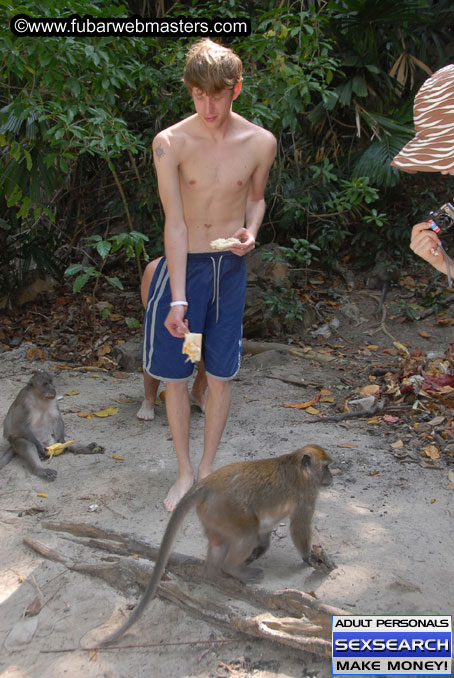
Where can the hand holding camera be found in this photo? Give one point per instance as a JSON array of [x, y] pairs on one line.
[[442, 219], [426, 243], [431, 150]]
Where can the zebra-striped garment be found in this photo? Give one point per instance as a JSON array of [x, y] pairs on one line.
[[432, 148]]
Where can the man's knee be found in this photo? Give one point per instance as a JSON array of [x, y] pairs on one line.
[[177, 387], [218, 387]]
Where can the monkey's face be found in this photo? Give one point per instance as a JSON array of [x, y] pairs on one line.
[[315, 462], [43, 383], [327, 476], [49, 392]]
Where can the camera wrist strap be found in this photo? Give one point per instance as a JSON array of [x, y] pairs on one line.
[[448, 269]]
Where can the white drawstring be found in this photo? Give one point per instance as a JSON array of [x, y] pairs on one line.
[[216, 279], [217, 288]]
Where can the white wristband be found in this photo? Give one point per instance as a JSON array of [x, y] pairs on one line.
[[178, 303]]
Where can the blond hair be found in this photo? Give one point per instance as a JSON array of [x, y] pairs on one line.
[[211, 67]]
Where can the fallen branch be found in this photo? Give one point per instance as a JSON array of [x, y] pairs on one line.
[[306, 625], [160, 643], [430, 311], [382, 310], [294, 382], [255, 347], [289, 601], [298, 633], [370, 411]]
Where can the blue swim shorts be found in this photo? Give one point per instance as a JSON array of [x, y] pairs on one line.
[[215, 291]]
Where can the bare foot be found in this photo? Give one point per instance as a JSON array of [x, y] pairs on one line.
[[199, 400], [177, 491], [146, 411]]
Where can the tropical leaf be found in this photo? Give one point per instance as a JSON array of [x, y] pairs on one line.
[[376, 159]]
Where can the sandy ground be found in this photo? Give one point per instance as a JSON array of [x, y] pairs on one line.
[[388, 525]]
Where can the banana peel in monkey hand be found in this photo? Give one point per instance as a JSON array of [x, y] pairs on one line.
[[57, 448]]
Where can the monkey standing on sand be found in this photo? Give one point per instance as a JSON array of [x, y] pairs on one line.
[[239, 505], [33, 422]]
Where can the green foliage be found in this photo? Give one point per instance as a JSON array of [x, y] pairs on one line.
[[375, 218], [132, 244], [61, 100], [353, 122], [133, 323], [375, 161], [385, 51], [65, 97], [87, 274], [78, 115], [409, 310], [353, 194], [436, 299], [336, 211], [285, 303], [300, 255], [288, 61]]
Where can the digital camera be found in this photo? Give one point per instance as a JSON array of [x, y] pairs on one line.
[[442, 219]]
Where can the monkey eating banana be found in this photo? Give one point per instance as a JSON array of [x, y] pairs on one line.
[[33, 423]]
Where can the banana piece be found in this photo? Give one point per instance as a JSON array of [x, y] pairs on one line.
[[224, 243], [192, 346], [57, 448]]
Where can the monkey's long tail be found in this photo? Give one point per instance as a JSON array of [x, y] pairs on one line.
[[190, 499], [6, 457]]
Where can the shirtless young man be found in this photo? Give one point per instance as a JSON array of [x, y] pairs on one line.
[[212, 170]]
